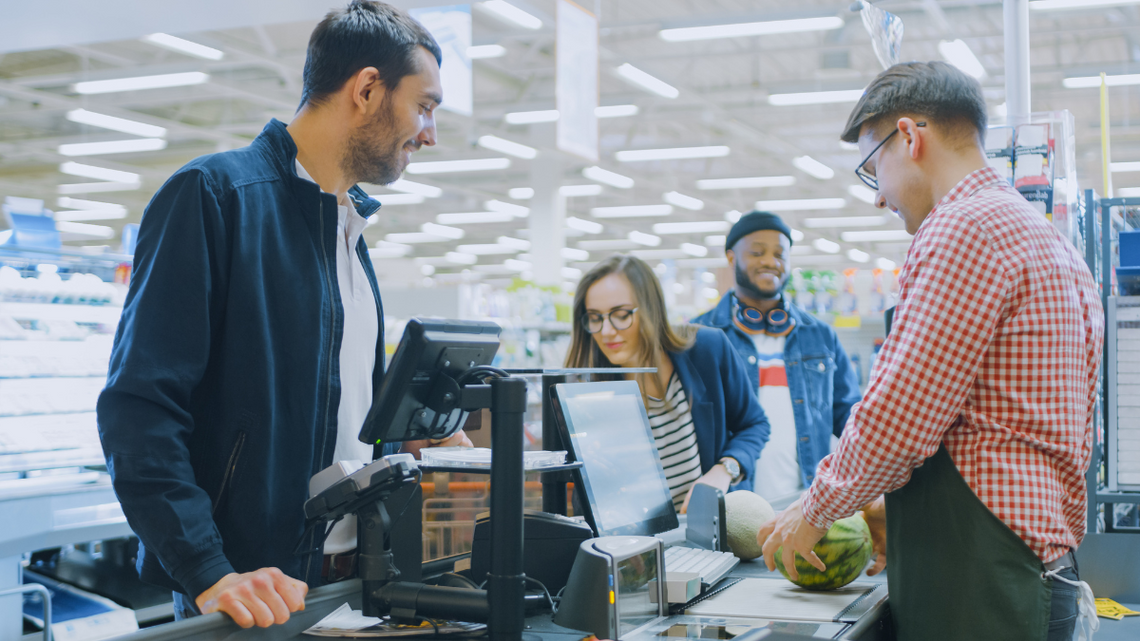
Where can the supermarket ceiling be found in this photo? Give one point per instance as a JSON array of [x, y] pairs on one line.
[[723, 100]]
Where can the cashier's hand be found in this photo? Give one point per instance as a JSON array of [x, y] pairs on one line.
[[792, 531], [875, 514], [260, 598], [458, 439], [717, 477]]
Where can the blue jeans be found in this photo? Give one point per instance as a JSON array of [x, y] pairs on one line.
[[184, 607], [1063, 608]]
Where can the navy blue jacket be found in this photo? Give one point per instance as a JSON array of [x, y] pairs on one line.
[[821, 381], [221, 400], [727, 416]]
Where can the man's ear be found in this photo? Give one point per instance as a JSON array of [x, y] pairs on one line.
[[731, 255], [367, 90], [912, 136]]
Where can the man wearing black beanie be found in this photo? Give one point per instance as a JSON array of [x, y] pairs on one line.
[[805, 381]]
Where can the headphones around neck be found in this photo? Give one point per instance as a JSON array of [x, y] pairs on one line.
[[776, 322]]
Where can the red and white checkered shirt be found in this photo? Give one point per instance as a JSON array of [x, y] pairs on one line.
[[994, 350]]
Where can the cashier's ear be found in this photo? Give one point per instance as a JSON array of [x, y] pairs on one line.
[[367, 91], [912, 136]]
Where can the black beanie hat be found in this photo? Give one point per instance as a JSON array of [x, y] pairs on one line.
[[756, 221]]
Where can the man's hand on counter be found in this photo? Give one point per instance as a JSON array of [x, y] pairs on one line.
[[792, 531], [458, 439], [875, 514], [260, 598]]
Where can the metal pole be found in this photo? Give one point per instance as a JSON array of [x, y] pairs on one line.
[[554, 483], [506, 583], [1016, 19]]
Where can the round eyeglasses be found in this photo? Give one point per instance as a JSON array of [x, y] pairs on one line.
[[619, 319]]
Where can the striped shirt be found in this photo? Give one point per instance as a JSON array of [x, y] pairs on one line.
[[672, 424]]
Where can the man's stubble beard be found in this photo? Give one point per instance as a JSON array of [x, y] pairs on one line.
[[750, 288], [372, 156]]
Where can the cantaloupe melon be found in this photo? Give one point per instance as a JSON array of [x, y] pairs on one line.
[[745, 512]]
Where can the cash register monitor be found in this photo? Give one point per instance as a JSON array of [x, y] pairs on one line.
[[607, 429], [419, 395]]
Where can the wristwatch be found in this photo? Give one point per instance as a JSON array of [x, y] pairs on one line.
[[731, 466]]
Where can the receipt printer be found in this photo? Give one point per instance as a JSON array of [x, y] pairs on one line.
[[550, 544]]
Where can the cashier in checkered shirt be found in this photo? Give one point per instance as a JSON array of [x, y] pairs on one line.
[[977, 423]]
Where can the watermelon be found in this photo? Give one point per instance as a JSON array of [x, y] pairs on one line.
[[845, 550]]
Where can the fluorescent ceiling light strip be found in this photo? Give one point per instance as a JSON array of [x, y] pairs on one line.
[[700, 251], [98, 173], [570, 253], [717, 240], [448, 166], [397, 199], [614, 244], [580, 190], [885, 264], [511, 148], [745, 29], [696, 227], [141, 82], [1128, 192], [797, 235], [1086, 82], [454, 233], [825, 245], [799, 250], [104, 121], [813, 167], [859, 192], [631, 211], [530, 117], [91, 214], [474, 217], [845, 221], [642, 238], [181, 45], [858, 255], [512, 14], [521, 193], [677, 153], [409, 187], [1058, 5], [82, 203], [412, 238], [460, 258], [112, 147], [1121, 167], [83, 229], [516, 211], [616, 111], [518, 265], [572, 273], [814, 98], [732, 215], [96, 187], [517, 243], [821, 259], [387, 253], [587, 226], [958, 53], [873, 236], [647, 82], [803, 204], [746, 183], [659, 254], [491, 249], [683, 201], [479, 52], [607, 177]]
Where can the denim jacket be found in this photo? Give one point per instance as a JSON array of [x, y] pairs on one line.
[[821, 380]]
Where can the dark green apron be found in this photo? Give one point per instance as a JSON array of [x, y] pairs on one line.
[[954, 570]]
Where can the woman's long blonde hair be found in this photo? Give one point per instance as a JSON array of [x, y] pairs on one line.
[[658, 338]]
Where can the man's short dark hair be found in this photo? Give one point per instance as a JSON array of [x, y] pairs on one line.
[[935, 91], [363, 34]]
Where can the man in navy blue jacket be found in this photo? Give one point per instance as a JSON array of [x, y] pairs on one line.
[[251, 342], [805, 381]]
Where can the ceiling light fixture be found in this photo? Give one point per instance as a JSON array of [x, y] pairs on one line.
[[518, 211], [385, 249], [859, 192], [683, 201], [97, 187], [885, 264], [580, 190], [746, 29], [508, 12], [572, 273], [826, 246], [112, 147], [104, 121], [83, 229], [746, 183], [958, 53], [647, 82], [1121, 167], [448, 166], [801, 204], [700, 251], [453, 233], [530, 117], [1056, 5], [460, 258], [607, 177], [136, 83], [388, 200], [732, 215], [716, 240], [642, 238], [409, 187], [474, 217], [511, 148], [570, 253], [846, 221], [98, 173], [631, 211], [413, 238], [885, 235], [91, 214], [521, 193], [479, 52], [814, 98], [813, 167], [1085, 82], [587, 226], [517, 265], [677, 153], [80, 203], [173, 43], [858, 255], [517, 243], [612, 244], [491, 249], [616, 111], [695, 227]]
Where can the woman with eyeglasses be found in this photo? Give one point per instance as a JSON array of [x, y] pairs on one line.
[[707, 422]]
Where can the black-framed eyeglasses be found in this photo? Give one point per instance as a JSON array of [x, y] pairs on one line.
[[619, 319], [868, 179]]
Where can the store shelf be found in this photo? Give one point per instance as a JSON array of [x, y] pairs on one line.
[[102, 314]]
